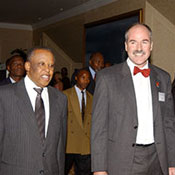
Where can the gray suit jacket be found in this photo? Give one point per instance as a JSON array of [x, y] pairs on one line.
[[21, 149], [114, 120]]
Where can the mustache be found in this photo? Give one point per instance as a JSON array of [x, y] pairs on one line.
[[139, 52]]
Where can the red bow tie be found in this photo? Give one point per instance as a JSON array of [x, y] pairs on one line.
[[145, 72]]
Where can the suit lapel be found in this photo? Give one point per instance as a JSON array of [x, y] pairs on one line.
[[24, 105], [127, 87], [88, 107], [154, 81], [54, 115], [76, 106]]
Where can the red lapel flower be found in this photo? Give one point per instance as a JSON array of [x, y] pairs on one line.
[[157, 84]]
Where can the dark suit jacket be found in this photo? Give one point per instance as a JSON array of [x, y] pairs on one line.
[[5, 81], [173, 91], [21, 148], [114, 120]]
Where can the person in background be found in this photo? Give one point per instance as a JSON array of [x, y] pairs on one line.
[[15, 67], [96, 63], [108, 64], [58, 85], [33, 120], [133, 122], [173, 92], [65, 78], [79, 123]]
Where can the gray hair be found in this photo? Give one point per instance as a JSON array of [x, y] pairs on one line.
[[133, 25]]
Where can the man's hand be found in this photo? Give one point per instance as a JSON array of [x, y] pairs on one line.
[[102, 173], [172, 171]]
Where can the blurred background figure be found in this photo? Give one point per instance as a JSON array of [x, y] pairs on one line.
[[65, 78], [96, 63], [15, 67], [57, 81], [173, 92], [107, 64]]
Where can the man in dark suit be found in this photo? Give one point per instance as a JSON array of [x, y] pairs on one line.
[[16, 70], [133, 122], [96, 63], [33, 123], [173, 92]]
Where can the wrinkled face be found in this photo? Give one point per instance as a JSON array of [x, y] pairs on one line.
[[97, 62], [83, 79], [138, 45], [16, 67], [40, 67]]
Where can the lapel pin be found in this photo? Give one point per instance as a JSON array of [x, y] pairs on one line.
[[157, 84]]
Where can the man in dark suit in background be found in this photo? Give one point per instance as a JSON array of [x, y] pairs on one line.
[[173, 92], [133, 122], [96, 63], [16, 70], [33, 121]]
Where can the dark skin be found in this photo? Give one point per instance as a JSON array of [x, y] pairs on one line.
[[16, 68], [83, 79], [97, 62]]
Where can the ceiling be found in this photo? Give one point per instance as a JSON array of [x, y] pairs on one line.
[[33, 11]]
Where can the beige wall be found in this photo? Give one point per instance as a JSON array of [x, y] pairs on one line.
[[163, 54], [11, 39], [69, 33]]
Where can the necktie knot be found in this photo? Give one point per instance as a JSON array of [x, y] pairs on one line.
[[144, 72], [38, 90]]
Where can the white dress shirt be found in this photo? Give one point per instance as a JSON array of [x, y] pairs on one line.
[[79, 95], [92, 72], [142, 87], [12, 80], [29, 84]]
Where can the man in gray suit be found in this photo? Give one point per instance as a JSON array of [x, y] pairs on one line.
[[133, 122], [30, 145]]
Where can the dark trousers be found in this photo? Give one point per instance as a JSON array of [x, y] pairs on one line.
[[146, 161], [82, 164]]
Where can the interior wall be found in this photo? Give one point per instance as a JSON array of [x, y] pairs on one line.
[[163, 54], [11, 39], [69, 34]]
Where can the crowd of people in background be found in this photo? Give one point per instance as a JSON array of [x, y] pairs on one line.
[[88, 120]]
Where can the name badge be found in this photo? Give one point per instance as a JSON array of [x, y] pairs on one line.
[[162, 96]]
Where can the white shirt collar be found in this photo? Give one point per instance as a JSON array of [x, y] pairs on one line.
[[131, 65]]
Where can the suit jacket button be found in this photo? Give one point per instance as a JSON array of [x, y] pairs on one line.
[[133, 144], [41, 171], [135, 127], [43, 154]]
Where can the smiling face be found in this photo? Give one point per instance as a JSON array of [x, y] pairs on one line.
[[40, 67], [138, 45]]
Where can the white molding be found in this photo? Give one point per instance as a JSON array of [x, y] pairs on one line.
[[16, 26], [90, 5]]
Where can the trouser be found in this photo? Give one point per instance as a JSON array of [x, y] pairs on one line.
[[82, 164], [146, 161]]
